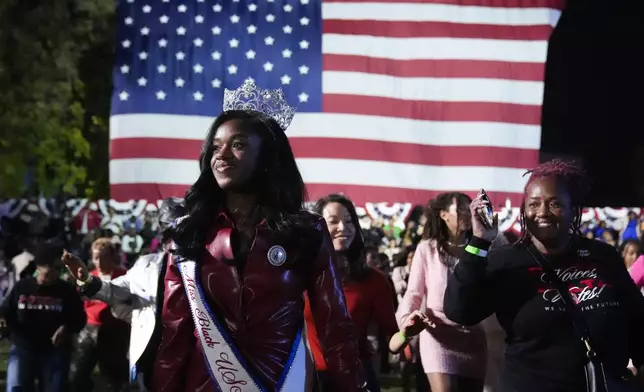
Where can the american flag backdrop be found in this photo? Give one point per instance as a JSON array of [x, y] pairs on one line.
[[397, 100]]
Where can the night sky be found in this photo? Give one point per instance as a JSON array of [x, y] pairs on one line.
[[594, 96]]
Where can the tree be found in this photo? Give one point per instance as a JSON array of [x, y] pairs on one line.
[[43, 120]]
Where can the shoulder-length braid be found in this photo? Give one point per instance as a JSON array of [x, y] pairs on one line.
[[573, 177], [435, 228]]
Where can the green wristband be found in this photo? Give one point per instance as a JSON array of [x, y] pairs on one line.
[[476, 251], [402, 335]]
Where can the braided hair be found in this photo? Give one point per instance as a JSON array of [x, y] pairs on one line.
[[570, 175]]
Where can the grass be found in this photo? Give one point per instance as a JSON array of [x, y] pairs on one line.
[[389, 383]]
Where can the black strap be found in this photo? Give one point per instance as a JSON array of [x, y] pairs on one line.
[[572, 310]]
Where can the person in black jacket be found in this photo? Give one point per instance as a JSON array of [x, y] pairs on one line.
[[543, 352], [41, 314]]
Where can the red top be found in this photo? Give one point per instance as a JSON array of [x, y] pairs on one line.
[[261, 308], [98, 312], [368, 300]]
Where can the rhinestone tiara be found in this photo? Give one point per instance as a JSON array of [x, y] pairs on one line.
[[270, 102]]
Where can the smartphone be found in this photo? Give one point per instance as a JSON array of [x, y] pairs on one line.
[[488, 215]]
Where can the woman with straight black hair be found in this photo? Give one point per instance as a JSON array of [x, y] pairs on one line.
[[367, 290], [245, 253], [561, 298]]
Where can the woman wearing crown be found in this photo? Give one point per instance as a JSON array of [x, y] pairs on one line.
[[244, 255]]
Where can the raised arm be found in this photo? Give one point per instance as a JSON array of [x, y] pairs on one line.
[[117, 291], [334, 326], [178, 335], [469, 295]]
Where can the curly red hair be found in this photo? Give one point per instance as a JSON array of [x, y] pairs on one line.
[[572, 176]]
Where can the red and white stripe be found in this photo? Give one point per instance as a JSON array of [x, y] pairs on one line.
[[420, 97]]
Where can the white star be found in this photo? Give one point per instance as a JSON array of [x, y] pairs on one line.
[[163, 43], [269, 40], [164, 19], [216, 55], [198, 96], [250, 54], [286, 53], [181, 30], [288, 8], [198, 68], [142, 82], [268, 66], [304, 44], [234, 19], [232, 69], [125, 69], [251, 29], [216, 30], [123, 95], [216, 83], [126, 44], [216, 7], [161, 68], [304, 97], [252, 7], [145, 31], [198, 42], [199, 19], [303, 70], [160, 95], [182, 8], [287, 29], [143, 56], [200, 1], [180, 56], [147, 9], [233, 43], [165, 1], [179, 82], [304, 21], [285, 79], [129, 20], [304, 1], [270, 18], [249, 79]]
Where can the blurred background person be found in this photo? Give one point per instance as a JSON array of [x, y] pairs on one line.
[[41, 315], [105, 338]]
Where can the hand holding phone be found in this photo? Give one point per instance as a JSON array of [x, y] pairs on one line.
[[487, 213], [484, 222]]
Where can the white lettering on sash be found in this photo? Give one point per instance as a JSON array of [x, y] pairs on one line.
[[223, 361]]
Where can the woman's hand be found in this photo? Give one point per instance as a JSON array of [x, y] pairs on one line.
[[478, 209], [415, 323], [76, 267]]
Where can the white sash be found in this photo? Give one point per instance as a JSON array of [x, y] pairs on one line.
[[226, 365]]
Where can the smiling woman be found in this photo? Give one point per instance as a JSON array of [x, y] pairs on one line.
[[244, 255], [369, 295], [550, 290]]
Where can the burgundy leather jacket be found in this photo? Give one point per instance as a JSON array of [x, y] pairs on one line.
[[263, 310]]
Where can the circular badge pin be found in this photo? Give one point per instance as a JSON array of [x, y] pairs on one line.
[[276, 255]]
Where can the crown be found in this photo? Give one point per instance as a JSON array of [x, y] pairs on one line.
[[270, 102]]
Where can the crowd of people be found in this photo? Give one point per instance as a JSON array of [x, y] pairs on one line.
[[237, 287]]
